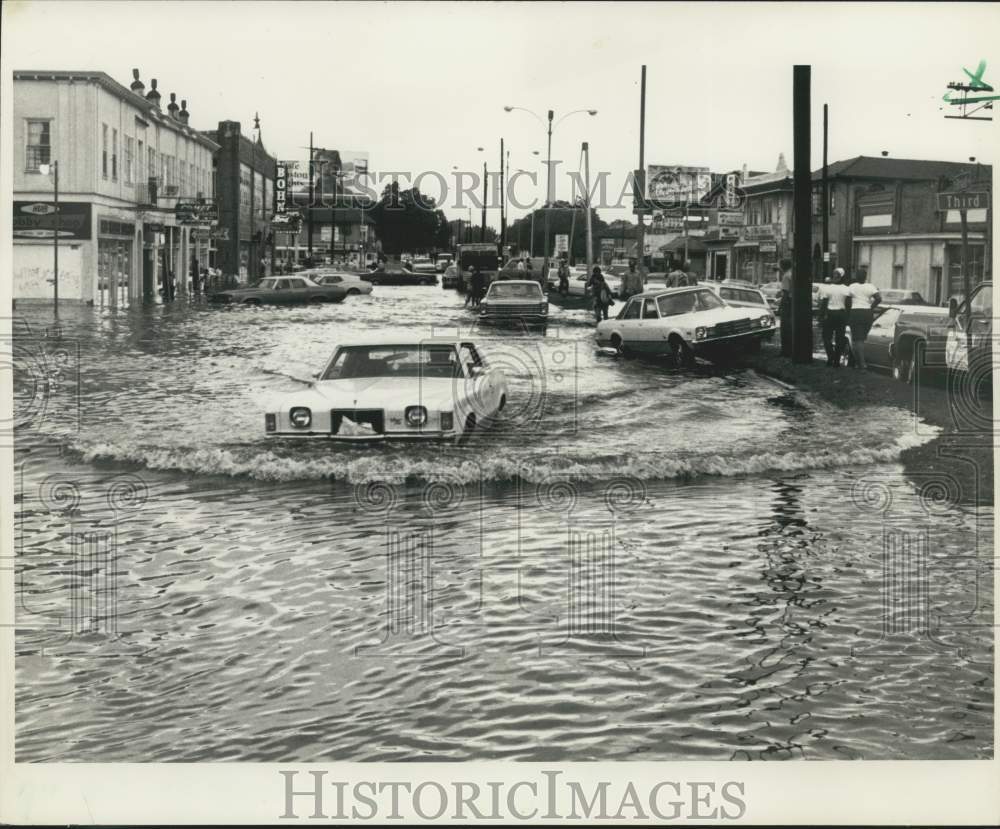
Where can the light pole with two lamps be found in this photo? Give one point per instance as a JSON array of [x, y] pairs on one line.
[[548, 163]]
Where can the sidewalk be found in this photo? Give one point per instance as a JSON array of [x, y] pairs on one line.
[[963, 451]]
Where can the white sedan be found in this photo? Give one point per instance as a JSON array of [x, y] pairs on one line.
[[684, 322], [351, 282], [391, 389]]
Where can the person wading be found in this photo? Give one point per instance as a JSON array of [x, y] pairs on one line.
[[601, 294], [864, 299], [563, 278], [785, 307], [835, 304]]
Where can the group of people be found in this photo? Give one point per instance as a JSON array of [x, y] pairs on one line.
[[843, 303]]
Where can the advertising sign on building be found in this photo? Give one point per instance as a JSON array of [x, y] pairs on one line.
[[281, 186], [195, 212], [671, 184], [730, 218], [37, 220]]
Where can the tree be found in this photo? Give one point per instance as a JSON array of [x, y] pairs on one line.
[[566, 218], [408, 221]]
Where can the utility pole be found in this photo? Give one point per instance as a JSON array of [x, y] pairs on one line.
[[826, 204], [482, 228], [548, 190], [309, 207], [966, 279], [590, 232], [642, 174], [55, 240], [503, 204], [801, 275]]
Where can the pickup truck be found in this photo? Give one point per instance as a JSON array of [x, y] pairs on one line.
[[927, 338]]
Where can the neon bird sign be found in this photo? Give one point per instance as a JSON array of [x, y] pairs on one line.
[[970, 95]]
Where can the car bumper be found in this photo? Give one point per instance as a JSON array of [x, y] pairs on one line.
[[733, 339], [507, 319], [423, 435]]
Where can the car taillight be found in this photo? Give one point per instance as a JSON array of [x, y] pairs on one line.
[[416, 415], [270, 423], [447, 421], [300, 417]]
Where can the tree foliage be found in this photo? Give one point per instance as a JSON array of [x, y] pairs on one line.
[[570, 219], [408, 221]]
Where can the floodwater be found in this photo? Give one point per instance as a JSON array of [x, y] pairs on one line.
[[635, 562]]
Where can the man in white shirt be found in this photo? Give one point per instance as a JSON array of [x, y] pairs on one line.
[[864, 298], [835, 304]]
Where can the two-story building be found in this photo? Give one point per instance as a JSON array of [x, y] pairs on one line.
[[122, 165], [767, 234], [244, 186], [884, 217]]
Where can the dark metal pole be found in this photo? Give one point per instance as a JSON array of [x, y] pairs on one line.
[[801, 274], [642, 171], [55, 240], [548, 190], [966, 278], [482, 229], [503, 203], [309, 207], [826, 203]]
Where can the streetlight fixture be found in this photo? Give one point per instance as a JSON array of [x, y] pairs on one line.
[[45, 169], [548, 163]]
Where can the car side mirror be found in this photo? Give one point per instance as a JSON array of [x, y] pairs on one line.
[[475, 371], [952, 308]]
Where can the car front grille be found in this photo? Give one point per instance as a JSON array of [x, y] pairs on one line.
[[731, 329], [374, 417], [514, 310]]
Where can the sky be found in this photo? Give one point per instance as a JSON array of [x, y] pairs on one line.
[[421, 86]]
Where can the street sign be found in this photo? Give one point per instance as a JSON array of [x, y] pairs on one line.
[[973, 200], [562, 243]]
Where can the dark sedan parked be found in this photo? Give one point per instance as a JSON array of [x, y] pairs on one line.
[[400, 277], [282, 290]]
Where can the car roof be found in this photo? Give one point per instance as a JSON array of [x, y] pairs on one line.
[[517, 282], [658, 292], [376, 339]]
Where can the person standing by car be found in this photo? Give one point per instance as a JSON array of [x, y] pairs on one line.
[[785, 307], [632, 283], [563, 277], [864, 298], [545, 273], [476, 286], [520, 265], [601, 294], [835, 303], [676, 278]]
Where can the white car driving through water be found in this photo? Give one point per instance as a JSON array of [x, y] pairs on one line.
[[391, 389], [684, 322]]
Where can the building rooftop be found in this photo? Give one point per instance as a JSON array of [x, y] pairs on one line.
[[106, 82], [864, 166]]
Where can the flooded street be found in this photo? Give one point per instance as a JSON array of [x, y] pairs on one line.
[[636, 562]]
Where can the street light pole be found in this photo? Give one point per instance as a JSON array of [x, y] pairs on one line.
[[55, 240], [482, 227], [548, 188]]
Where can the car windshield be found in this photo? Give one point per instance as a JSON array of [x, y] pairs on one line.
[[687, 302], [267, 284], [354, 362], [742, 295], [515, 290]]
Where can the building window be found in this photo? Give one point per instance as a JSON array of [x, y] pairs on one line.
[[104, 150], [898, 279], [151, 164], [114, 155], [38, 149], [129, 150]]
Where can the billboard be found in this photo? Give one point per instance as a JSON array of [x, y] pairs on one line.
[[347, 164], [670, 185], [37, 220]]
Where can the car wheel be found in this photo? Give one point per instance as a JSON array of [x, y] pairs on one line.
[[375, 282], [619, 345], [316, 300], [907, 369], [251, 302], [353, 292], [681, 351], [423, 282]]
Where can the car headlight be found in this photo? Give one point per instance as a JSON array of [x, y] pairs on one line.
[[300, 417], [700, 333], [416, 415], [447, 421], [270, 423], [765, 322]]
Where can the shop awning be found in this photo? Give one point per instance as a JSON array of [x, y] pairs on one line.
[[746, 243], [694, 245]]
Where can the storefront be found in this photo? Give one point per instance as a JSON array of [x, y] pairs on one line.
[[115, 262]]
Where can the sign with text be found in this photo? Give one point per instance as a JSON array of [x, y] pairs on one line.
[[195, 212], [730, 218], [37, 220], [672, 184], [978, 200], [562, 243], [281, 186]]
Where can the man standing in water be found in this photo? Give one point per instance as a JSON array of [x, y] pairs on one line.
[[835, 300], [785, 307]]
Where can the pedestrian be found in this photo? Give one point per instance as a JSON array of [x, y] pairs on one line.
[[692, 277], [476, 286], [864, 298], [520, 265], [783, 271], [632, 283], [563, 278], [601, 294], [545, 274], [676, 278], [529, 272], [195, 274], [835, 303]]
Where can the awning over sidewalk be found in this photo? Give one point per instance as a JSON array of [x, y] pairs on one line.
[[746, 243], [694, 245]]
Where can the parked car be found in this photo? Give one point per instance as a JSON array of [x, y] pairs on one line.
[[919, 335], [970, 332], [443, 261], [423, 265], [451, 277], [900, 296], [514, 300], [351, 282], [391, 389], [741, 295], [579, 278], [772, 293], [385, 276], [281, 290], [684, 322]]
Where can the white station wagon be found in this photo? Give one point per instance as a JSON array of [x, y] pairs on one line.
[[433, 388], [684, 322]]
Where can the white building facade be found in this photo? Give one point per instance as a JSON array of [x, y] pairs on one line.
[[123, 165]]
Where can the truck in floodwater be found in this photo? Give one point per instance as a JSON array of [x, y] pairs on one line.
[[484, 255]]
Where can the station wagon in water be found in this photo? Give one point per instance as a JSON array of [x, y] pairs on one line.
[[435, 388], [683, 322], [282, 290]]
